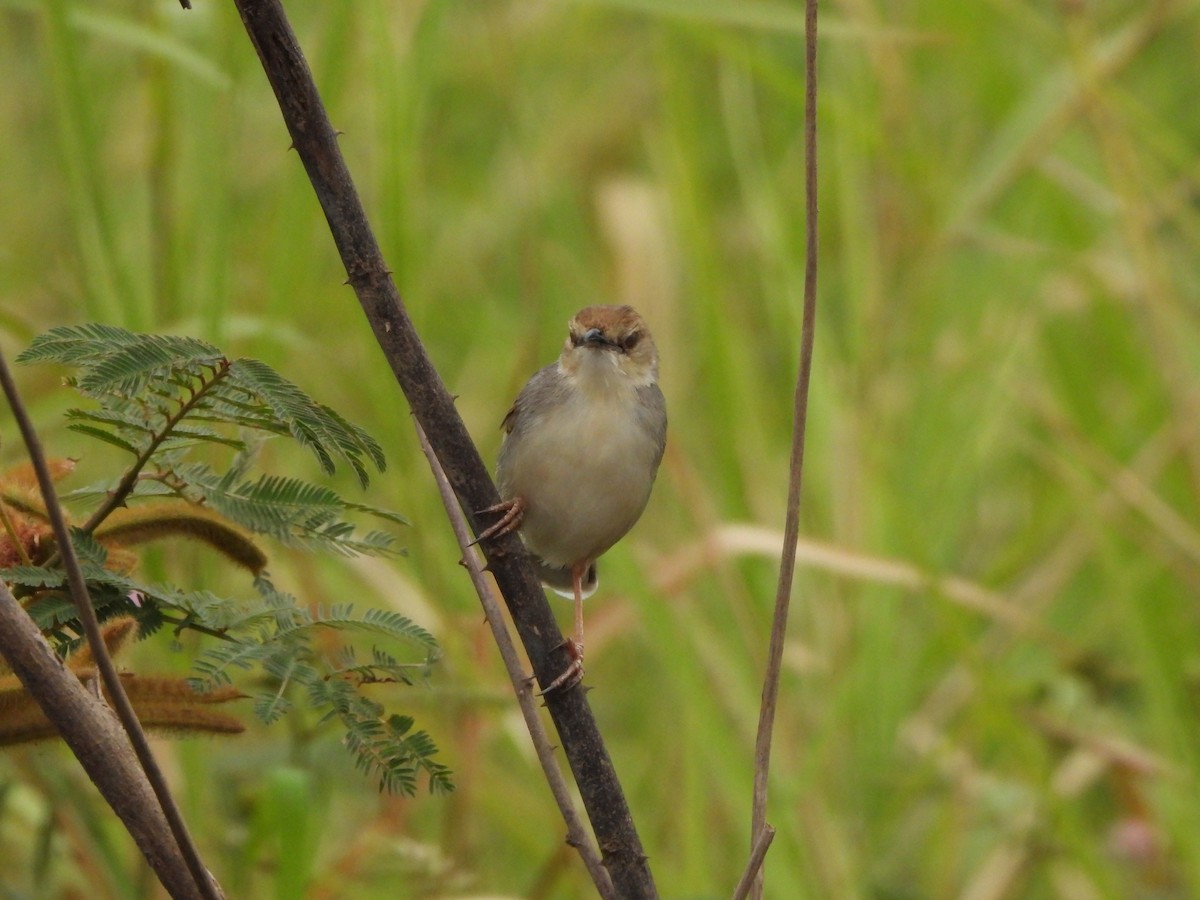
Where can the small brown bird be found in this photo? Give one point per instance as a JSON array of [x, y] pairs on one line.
[[582, 444]]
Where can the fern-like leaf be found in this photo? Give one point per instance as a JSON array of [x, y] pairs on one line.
[[106, 436], [383, 622], [314, 425], [113, 417], [383, 746], [159, 397], [386, 514], [383, 668], [118, 361], [77, 345], [291, 511], [149, 383], [214, 664], [100, 489]]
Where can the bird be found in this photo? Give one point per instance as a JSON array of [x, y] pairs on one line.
[[581, 448]]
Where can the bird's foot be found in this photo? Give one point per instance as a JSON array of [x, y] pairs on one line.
[[572, 674], [513, 514]]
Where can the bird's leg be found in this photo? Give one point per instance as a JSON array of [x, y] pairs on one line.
[[514, 513], [573, 673]]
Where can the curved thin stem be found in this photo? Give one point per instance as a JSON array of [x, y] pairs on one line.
[[577, 835], [791, 533]]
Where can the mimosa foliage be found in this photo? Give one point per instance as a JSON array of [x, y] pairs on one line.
[[159, 398]]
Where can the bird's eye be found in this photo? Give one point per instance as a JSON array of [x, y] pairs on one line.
[[631, 341]]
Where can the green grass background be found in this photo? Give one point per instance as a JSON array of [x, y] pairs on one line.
[[991, 675]]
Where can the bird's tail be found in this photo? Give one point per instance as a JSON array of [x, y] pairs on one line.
[[558, 579]]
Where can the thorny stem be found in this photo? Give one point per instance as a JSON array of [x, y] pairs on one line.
[[315, 140]]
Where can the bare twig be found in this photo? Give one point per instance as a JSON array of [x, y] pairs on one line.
[[315, 141], [791, 531], [204, 884], [754, 865], [577, 835]]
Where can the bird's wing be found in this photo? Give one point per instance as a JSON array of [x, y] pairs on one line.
[[510, 418], [541, 385]]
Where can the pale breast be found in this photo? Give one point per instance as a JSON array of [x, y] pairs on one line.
[[585, 470]]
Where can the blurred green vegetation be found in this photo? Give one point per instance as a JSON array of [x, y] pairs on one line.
[[994, 654]]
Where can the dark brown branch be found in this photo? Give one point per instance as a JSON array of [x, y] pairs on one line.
[[791, 531], [314, 139], [93, 735]]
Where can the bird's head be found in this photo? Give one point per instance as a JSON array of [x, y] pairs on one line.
[[610, 344]]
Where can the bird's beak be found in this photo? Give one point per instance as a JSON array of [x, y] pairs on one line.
[[596, 336]]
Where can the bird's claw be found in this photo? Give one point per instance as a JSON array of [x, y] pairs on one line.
[[514, 513], [572, 674]]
